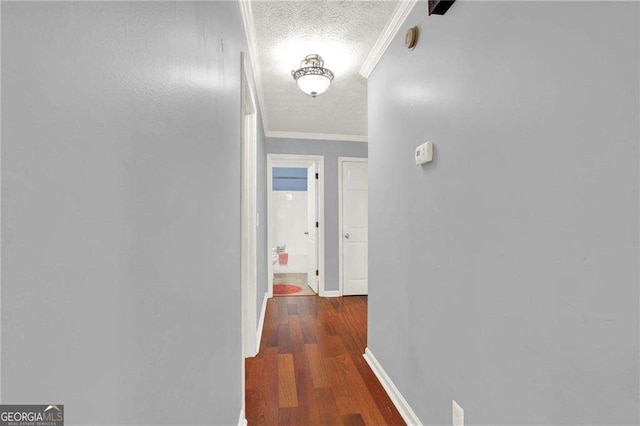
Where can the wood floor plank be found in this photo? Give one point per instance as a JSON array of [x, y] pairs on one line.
[[269, 385], [308, 332], [341, 390], [332, 346], [285, 345], [307, 398], [283, 310], [329, 411], [292, 309], [297, 342], [353, 420], [316, 366], [269, 334], [290, 416], [255, 407], [287, 390], [253, 370]]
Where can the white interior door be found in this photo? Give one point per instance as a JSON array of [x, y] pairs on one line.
[[312, 230], [354, 228]]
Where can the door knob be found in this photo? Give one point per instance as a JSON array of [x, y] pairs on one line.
[[347, 235], [306, 233]]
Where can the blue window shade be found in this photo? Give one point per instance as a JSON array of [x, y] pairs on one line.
[[290, 172], [289, 179]]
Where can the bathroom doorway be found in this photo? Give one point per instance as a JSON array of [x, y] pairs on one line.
[[295, 224]]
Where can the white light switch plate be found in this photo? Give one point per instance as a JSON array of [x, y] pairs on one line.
[[458, 414], [424, 153]]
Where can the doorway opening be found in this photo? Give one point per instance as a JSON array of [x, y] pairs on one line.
[[296, 224]]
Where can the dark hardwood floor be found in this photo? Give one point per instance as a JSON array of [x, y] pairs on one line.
[[310, 369]]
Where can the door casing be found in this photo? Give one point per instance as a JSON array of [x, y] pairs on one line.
[[248, 208]]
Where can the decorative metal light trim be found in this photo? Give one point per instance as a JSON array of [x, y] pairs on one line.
[[312, 70], [312, 65]]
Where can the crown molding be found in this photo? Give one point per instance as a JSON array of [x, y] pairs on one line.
[[252, 45], [388, 33], [317, 136]]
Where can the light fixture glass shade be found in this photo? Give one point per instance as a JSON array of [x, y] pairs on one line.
[[313, 85], [312, 78]]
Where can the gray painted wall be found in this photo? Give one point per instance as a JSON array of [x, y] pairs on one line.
[[331, 151], [504, 275], [121, 207]]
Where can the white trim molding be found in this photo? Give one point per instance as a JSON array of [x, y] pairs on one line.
[[252, 46], [242, 421], [263, 312], [248, 206], [319, 136], [398, 400], [388, 33], [330, 293]]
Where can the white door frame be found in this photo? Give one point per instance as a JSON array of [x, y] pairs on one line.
[[341, 161], [290, 160], [248, 208]]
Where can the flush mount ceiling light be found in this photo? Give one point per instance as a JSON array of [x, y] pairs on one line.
[[312, 78]]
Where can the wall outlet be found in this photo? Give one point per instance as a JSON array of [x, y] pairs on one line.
[[457, 414], [424, 153]]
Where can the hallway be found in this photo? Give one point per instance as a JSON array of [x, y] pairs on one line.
[[466, 172], [310, 369]]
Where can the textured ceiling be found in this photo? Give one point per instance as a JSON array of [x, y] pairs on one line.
[[343, 33]]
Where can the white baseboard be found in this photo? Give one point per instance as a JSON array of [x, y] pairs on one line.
[[242, 421], [330, 293], [263, 312], [398, 400]]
